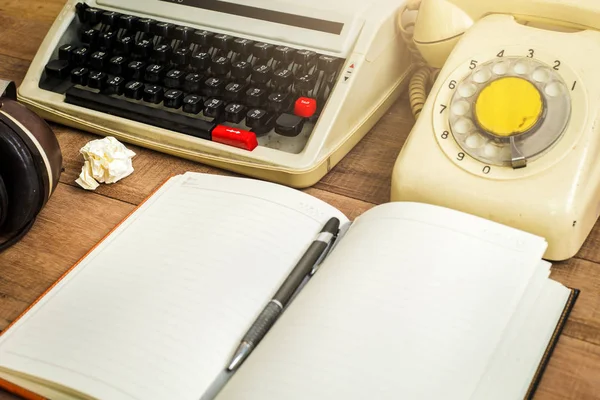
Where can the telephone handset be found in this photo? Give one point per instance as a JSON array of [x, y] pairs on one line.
[[509, 130]]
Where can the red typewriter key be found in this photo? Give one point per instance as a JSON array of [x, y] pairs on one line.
[[305, 107], [234, 137]]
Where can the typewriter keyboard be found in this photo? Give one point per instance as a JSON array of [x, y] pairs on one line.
[[209, 85]]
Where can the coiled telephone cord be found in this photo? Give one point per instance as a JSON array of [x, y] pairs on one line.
[[423, 78]]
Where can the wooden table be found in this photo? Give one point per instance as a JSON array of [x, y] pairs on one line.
[[74, 220]]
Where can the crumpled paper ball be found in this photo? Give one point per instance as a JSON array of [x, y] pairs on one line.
[[106, 161]]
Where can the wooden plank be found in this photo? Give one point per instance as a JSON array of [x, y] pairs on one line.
[[366, 172], [13, 69], [15, 29], [72, 223], [36, 10], [572, 373], [152, 169], [584, 321]]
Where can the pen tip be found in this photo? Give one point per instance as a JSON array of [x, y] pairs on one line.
[[240, 355]]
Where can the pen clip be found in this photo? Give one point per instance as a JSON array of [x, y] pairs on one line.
[[324, 254]]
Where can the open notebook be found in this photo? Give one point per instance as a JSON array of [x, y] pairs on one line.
[[413, 302]]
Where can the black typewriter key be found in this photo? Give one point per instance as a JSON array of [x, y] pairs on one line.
[[93, 16], [193, 83], [125, 44], [80, 9], [111, 18], [283, 78], [153, 94], [235, 91], [213, 87], [221, 65], [328, 64], [97, 80], [143, 48], [181, 56], [202, 38], [173, 98], [222, 42], [305, 57], [107, 40], [58, 69], [262, 51], [235, 113], [289, 125], [117, 65], [65, 52], [127, 22], [144, 25], [279, 102], [306, 82], [90, 36], [261, 73], [284, 54], [201, 61], [154, 73], [258, 120], [242, 46], [183, 33], [174, 79], [213, 108], [163, 29], [162, 52], [135, 70], [192, 104], [256, 97], [79, 76], [98, 60], [134, 90], [241, 70], [81, 56], [115, 85]]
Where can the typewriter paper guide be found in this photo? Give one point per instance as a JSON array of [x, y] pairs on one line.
[[329, 26]]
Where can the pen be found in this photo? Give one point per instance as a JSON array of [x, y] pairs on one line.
[[273, 309]]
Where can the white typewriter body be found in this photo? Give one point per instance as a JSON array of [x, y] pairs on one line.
[[374, 73]]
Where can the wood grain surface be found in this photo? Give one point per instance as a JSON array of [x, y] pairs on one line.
[[74, 220]]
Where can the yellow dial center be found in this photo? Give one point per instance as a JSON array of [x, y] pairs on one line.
[[508, 106]]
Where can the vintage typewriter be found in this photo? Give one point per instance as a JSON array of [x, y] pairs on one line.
[[278, 90]]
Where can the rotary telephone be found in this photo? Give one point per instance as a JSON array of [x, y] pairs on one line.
[[510, 129]]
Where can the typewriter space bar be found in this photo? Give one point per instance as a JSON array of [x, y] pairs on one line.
[[140, 113]]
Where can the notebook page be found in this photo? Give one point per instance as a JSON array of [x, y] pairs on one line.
[[410, 305], [156, 311]]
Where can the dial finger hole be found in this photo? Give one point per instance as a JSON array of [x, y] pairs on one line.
[[482, 75], [521, 68], [467, 89], [460, 108], [541, 75], [553, 89], [474, 141], [463, 126], [501, 68], [491, 150]]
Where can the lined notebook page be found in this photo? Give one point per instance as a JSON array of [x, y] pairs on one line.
[[411, 304], [158, 308]]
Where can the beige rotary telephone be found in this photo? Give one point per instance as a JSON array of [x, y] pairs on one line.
[[510, 129]]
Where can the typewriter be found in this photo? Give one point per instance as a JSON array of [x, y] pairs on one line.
[[278, 90]]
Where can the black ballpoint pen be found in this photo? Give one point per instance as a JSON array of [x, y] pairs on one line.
[[273, 309]]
